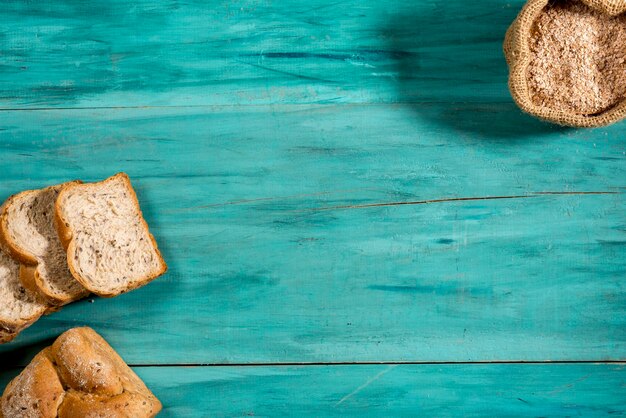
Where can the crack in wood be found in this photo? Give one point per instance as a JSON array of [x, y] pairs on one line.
[[457, 199]]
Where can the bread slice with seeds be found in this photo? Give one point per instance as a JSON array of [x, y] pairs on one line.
[[28, 230], [19, 307], [109, 247]]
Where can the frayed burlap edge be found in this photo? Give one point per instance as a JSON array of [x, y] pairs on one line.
[[517, 53]]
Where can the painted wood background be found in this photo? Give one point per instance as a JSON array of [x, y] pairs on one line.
[[334, 185]]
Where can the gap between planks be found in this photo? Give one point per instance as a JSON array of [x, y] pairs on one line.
[[259, 105], [371, 363], [383, 363]]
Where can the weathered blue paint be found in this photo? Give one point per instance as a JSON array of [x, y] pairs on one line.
[[594, 390], [329, 182], [168, 52], [288, 241]]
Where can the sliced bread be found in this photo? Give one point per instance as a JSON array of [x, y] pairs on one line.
[[6, 337], [28, 230], [80, 375], [109, 247], [19, 307]]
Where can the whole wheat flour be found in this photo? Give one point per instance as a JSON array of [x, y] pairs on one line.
[[578, 58]]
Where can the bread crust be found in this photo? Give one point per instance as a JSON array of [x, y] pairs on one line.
[[30, 275], [36, 392], [6, 337], [66, 235], [7, 243], [10, 328], [80, 375]]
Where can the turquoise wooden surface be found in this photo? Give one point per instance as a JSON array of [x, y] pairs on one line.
[[70, 53], [329, 182], [389, 390], [268, 264]]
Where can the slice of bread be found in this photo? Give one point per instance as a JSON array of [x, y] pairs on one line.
[[80, 375], [28, 230], [19, 307], [109, 247], [6, 337]]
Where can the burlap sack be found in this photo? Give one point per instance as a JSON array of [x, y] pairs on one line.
[[517, 52]]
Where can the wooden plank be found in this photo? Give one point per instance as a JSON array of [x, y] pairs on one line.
[[167, 52], [276, 253], [388, 390]]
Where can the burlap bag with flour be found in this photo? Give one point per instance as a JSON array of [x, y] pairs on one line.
[[518, 56]]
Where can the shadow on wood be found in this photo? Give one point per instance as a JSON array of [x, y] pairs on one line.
[[461, 47], [20, 354], [150, 211]]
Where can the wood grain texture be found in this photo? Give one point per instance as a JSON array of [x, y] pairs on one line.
[[70, 53], [408, 390], [276, 253], [329, 181]]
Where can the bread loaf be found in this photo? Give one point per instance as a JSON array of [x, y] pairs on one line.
[[79, 376]]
